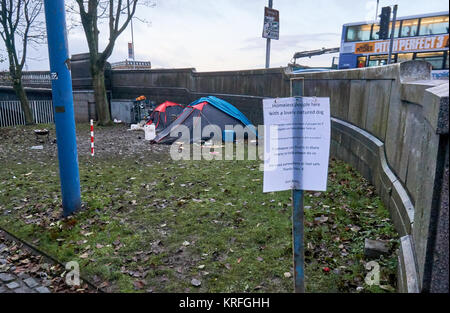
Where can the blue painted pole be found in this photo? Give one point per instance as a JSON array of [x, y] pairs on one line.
[[298, 242], [55, 18]]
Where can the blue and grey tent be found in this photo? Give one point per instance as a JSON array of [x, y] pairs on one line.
[[200, 113]]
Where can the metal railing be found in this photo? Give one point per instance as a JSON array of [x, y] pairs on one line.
[[129, 64], [11, 113], [28, 78]]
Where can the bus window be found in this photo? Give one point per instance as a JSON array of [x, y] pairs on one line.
[[376, 28], [381, 59], [409, 28], [397, 29], [361, 62], [358, 33], [402, 57], [434, 25], [435, 58]]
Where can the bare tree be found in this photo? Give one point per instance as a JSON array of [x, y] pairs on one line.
[[20, 26], [118, 14]]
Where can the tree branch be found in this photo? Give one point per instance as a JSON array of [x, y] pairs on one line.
[[116, 31]]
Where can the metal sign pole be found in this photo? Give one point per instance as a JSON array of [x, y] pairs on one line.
[[268, 53], [298, 241], [63, 105], [298, 229], [391, 44], [268, 42]]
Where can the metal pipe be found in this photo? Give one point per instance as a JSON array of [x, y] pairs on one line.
[[268, 53], [63, 105]]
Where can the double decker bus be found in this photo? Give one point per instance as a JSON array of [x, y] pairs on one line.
[[416, 37]]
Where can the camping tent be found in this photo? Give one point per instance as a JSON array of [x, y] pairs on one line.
[[211, 111], [164, 114]]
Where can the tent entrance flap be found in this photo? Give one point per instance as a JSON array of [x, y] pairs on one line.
[[164, 114]]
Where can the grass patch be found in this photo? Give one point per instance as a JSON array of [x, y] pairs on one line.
[[153, 224]]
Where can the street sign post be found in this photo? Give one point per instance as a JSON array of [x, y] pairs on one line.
[[271, 29], [296, 146], [63, 105]]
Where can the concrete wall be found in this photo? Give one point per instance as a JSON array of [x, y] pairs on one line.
[[263, 83], [389, 122], [81, 72], [392, 125], [84, 106]]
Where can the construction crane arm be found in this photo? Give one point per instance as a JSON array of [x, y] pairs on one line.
[[310, 53]]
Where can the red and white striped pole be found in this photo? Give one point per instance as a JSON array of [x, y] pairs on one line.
[[92, 137]]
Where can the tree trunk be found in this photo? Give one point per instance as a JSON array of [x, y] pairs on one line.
[[20, 92], [101, 101]]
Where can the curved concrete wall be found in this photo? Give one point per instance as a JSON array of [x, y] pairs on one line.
[[390, 122], [408, 113]]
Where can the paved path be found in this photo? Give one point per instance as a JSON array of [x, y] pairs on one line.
[[15, 276], [22, 271]]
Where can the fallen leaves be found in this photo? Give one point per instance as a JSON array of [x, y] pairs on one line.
[[320, 220], [355, 229], [195, 282], [139, 284]]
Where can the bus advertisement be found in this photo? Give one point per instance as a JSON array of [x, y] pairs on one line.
[[418, 37]]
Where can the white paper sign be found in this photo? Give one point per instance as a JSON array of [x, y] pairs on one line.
[[296, 143]]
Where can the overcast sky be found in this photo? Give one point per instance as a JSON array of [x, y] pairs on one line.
[[212, 35]]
